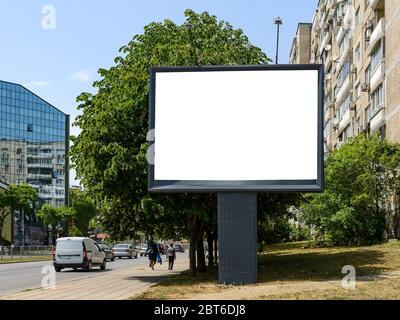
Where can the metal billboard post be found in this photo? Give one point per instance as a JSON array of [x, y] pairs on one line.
[[237, 237]]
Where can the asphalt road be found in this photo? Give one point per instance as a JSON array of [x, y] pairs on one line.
[[16, 277]]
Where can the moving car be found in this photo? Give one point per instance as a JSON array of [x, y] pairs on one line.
[[109, 253], [143, 250], [78, 252], [179, 248], [125, 251]]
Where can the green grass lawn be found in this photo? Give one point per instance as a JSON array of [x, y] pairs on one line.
[[287, 264]]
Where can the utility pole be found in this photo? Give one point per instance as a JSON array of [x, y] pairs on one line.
[[278, 21]]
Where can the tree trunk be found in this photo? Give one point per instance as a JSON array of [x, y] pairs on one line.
[[192, 222], [192, 255], [210, 241], [201, 259], [216, 250]]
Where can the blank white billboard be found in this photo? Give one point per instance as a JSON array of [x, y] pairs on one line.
[[236, 125]]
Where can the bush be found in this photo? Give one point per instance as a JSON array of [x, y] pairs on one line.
[[358, 186], [298, 233], [74, 231], [280, 230]]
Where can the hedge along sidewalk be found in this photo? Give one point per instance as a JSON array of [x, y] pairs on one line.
[[113, 285], [27, 259]]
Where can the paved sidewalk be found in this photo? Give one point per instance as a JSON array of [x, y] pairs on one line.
[[113, 285]]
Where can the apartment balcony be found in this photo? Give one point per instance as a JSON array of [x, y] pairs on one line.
[[40, 165], [325, 41], [377, 34], [344, 122], [348, 17], [327, 115], [328, 129], [328, 62], [322, 21], [377, 4], [39, 176], [330, 7], [340, 35], [377, 120], [39, 156], [344, 56], [378, 76], [343, 91], [328, 141]]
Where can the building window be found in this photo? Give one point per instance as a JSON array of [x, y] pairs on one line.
[[376, 100], [344, 107], [377, 57], [358, 91], [343, 74], [357, 17], [30, 127], [357, 56], [344, 43], [368, 74]]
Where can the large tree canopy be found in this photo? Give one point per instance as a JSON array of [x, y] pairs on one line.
[[110, 152]]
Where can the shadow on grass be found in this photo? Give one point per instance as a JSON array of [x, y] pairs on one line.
[[299, 265], [318, 266]]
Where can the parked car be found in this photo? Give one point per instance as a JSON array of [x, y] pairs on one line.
[[179, 248], [125, 251], [78, 252], [143, 250], [108, 251]]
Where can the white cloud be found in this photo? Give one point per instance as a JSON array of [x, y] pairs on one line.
[[32, 84], [81, 76]]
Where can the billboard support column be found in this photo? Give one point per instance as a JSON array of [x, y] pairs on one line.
[[237, 237]]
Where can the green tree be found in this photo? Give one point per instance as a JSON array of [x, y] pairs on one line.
[[18, 198], [110, 152], [360, 179], [53, 216], [273, 218], [85, 211]]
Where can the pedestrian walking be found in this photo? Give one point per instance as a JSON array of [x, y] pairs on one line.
[[152, 252], [171, 256]]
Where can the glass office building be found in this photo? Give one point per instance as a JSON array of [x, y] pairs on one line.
[[33, 148]]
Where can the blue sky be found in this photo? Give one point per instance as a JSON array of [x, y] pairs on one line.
[[58, 64]]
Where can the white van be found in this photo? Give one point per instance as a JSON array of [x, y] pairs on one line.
[[76, 252]]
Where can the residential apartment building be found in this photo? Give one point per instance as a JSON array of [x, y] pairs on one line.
[[301, 47], [33, 150], [357, 41]]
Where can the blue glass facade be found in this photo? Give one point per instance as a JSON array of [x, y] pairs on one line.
[[33, 148]]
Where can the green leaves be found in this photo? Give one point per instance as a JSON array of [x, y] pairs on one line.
[[360, 181], [109, 154], [53, 215], [20, 197]]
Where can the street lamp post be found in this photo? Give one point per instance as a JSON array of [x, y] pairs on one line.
[[278, 21]]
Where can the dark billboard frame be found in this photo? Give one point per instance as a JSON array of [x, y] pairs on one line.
[[164, 186]]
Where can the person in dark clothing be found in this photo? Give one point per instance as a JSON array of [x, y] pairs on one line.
[[152, 252], [171, 256]]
